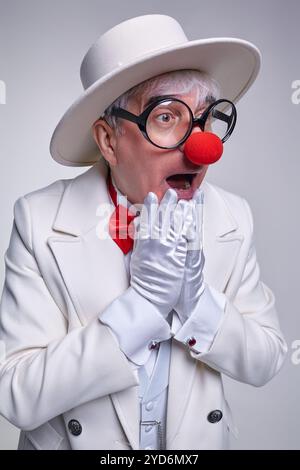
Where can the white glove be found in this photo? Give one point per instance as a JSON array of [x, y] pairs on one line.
[[193, 282], [159, 252]]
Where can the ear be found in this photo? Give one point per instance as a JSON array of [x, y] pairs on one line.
[[105, 138]]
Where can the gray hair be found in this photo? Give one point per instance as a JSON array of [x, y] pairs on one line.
[[179, 81]]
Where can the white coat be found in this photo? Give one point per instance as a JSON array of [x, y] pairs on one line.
[[62, 363]]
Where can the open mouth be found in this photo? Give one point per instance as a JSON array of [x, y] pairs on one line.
[[181, 180]]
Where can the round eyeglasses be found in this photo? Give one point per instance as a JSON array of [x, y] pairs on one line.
[[168, 122]]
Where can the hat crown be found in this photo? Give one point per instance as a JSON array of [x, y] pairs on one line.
[[129, 41]]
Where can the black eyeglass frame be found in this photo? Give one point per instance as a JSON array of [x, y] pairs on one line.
[[141, 120]]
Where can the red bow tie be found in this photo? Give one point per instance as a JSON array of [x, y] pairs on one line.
[[119, 221]]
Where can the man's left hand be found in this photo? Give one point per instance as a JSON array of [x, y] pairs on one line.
[[193, 281]]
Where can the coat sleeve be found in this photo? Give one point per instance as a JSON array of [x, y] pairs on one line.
[[249, 345], [134, 331], [45, 369]]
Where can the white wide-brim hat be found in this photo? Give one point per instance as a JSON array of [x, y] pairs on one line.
[[134, 51]]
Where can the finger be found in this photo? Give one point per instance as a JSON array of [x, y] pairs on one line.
[[136, 235], [170, 196], [178, 218], [161, 226], [151, 198], [147, 215], [188, 220], [198, 196]]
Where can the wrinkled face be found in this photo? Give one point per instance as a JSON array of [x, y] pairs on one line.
[[139, 167]]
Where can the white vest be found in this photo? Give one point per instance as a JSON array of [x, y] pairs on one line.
[[153, 393]]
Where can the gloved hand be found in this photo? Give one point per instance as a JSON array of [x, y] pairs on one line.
[[193, 282], [160, 246]]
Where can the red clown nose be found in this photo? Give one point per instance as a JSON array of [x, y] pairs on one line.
[[203, 148]]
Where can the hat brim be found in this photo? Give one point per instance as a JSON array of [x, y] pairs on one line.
[[233, 62]]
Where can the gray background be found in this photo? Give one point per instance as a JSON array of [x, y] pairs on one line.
[[41, 46]]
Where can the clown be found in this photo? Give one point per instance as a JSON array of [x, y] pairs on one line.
[[120, 342]]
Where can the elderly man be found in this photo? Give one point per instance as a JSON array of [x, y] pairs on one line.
[[119, 341]]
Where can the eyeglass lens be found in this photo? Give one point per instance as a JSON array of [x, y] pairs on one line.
[[170, 121]]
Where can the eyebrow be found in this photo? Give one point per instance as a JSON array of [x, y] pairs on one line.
[[157, 97]]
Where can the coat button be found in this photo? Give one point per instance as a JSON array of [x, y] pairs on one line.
[[149, 406], [214, 416], [75, 427]]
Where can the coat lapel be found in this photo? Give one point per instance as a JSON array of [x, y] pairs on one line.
[[93, 270], [92, 267]]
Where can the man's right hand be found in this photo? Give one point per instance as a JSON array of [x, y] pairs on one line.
[[160, 247]]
